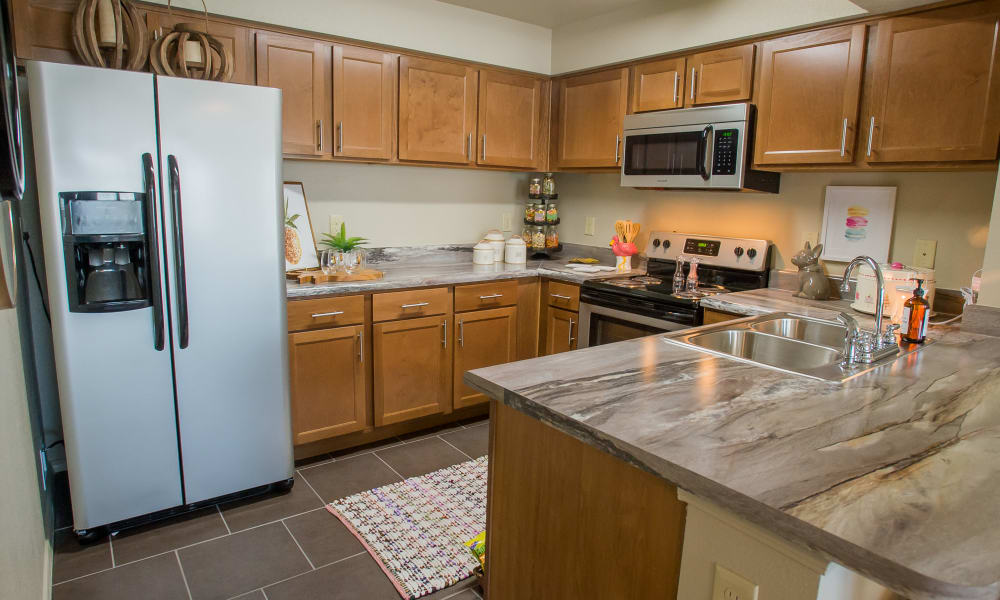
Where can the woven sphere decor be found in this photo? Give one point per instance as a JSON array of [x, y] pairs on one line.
[[188, 51], [110, 33]]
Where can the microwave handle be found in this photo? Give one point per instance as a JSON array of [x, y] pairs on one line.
[[706, 169]]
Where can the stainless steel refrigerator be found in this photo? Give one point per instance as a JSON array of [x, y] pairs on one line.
[[162, 225]]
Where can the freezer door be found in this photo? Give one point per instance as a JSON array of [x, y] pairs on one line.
[[220, 148], [91, 128]]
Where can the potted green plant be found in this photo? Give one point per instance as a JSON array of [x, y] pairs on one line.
[[347, 250]]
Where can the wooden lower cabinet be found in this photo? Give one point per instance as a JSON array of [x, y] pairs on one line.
[[329, 392], [561, 329], [717, 316], [483, 338], [412, 368]]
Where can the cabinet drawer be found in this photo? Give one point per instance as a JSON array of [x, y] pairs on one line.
[[563, 295], [486, 295], [326, 312], [411, 303]]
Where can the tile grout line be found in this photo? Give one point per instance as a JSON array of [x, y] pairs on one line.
[[313, 491], [399, 442], [455, 447], [299, 546], [339, 560], [87, 575], [223, 517], [390, 467], [183, 576], [260, 589]]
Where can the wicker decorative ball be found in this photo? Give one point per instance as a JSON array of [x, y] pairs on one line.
[[110, 33]]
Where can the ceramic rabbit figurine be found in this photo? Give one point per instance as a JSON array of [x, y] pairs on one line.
[[813, 284]]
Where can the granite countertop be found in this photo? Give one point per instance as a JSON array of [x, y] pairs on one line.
[[894, 474], [450, 265]]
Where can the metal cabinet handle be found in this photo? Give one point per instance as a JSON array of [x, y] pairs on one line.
[[561, 297], [484, 147], [461, 334], [444, 335], [319, 130], [468, 148], [570, 340], [692, 83], [677, 78], [618, 142], [361, 346], [491, 296], [328, 314], [871, 130], [340, 136], [414, 305], [843, 138]]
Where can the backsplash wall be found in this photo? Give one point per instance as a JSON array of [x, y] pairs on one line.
[[394, 205], [952, 208]]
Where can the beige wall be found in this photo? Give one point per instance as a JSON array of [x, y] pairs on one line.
[[952, 208], [989, 294], [25, 567], [395, 205], [416, 24], [654, 27]]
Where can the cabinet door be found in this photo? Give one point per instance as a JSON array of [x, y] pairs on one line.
[[43, 30], [328, 383], [560, 330], [810, 85], [591, 109], [510, 110], [658, 85], [483, 338], [720, 75], [437, 110], [233, 37], [300, 68], [412, 363], [936, 87], [364, 92]]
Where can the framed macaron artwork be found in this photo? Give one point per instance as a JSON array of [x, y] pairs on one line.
[[857, 221]]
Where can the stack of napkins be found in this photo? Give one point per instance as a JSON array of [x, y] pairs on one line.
[[588, 268]]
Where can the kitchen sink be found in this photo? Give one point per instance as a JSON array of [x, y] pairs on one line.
[[785, 342]]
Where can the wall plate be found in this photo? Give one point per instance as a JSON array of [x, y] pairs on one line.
[[730, 586]]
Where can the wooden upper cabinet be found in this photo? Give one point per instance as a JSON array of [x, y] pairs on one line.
[[510, 111], [658, 85], [329, 391], [364, 95], [412, 368], [43, 30], [483, 338], [437, 110], [591, 110], [807, 103], [300, 67], [722, 75], [235, 38], [936, 86]]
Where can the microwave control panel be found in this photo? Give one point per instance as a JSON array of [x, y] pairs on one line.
[[724, 154]]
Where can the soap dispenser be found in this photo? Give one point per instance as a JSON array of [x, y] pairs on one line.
[[916, 312]]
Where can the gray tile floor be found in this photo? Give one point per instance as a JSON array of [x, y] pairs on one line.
[[274, 547]]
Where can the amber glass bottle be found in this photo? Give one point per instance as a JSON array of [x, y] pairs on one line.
[[916, 312]]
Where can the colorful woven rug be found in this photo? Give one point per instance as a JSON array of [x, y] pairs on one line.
[[416, 529]]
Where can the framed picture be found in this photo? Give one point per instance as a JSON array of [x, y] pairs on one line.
[[857, 221], [300, 246]]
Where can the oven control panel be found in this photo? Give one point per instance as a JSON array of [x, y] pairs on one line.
[[735, 253]]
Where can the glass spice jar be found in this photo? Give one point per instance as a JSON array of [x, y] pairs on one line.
[[551, 213], [539, 216], [537, 237], [526, 236], [548, 185], [529, 211], [535, 187], [552, 238]]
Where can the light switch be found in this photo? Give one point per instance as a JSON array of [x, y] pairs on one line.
[[335, 223], [588, 229], [923, 255], [505, 222], [730, 586]]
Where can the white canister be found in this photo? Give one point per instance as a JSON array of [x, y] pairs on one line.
[[495, 239], [516, 251], [482, 253]]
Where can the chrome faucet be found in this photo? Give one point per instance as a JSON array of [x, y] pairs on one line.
[[862, 346]]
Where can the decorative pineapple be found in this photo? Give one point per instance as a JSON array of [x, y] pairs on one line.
[[293, 247]]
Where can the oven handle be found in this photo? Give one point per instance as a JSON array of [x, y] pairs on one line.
[[587, 309], [706, 172]]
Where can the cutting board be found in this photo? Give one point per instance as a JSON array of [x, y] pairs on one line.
[[318, 276]]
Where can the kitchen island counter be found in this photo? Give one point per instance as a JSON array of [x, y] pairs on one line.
[[893, 474]]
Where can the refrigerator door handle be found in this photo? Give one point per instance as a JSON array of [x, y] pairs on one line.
[[153, 235], [180, 277]]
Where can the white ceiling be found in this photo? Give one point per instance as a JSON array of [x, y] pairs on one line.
[[547, 13]]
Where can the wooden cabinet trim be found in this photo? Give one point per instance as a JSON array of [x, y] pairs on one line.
[[491, 294]]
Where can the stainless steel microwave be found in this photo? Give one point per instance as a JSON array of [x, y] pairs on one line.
[[709, 147]]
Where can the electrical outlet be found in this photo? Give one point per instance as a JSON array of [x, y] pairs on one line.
[[335, 222], [505, 219], [588, 229], [730, 586], [923, 254]]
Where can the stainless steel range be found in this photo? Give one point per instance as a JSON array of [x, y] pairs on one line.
[[668, 298]]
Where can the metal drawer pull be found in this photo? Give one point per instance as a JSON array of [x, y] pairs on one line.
[[491, 296], [871, 130], [560, 297], [570, 341], [414, 305], [328, 314], [843, 138], [461, 333], [444, 336], [361, 347]]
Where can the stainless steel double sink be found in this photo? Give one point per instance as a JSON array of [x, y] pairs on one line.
[[786, 342]]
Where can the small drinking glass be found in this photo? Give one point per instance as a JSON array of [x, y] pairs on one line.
[[328, 261]]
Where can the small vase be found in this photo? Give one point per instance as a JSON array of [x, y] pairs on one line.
[[623, 264]]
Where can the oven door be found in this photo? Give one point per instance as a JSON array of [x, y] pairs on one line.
[[684, 156], [603, 325]]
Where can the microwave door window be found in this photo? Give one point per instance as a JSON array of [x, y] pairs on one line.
[[665, 153]]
